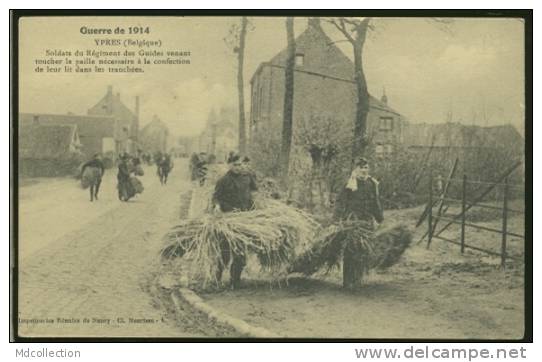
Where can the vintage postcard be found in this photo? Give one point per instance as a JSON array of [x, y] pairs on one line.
[[273, 177]]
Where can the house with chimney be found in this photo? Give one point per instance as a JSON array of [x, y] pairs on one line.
[[324, 86], [109, 127], [126, 122]]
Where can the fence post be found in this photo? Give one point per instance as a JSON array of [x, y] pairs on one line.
[[463, 212], [430, 212], [504, 223]]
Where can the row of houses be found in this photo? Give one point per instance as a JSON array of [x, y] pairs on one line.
[[108, 126], [220, 134], [55, 144]]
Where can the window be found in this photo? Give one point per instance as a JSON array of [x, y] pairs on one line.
[[384, 150], [299, 59], [386, 123]]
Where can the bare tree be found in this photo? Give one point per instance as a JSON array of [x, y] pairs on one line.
[[355, 32], [236, 40], [288, 100]]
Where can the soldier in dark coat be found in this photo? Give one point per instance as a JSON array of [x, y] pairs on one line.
[[92, 172], [358, 201], [233, 192], [164, 167]]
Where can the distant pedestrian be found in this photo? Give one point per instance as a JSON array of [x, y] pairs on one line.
[[164, 167], [124, 186], [92, 172]]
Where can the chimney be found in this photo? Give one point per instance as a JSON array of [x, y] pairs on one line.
[[315, 23], [384, 98], [109, 100]]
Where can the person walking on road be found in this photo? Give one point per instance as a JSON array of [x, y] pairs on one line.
[[92, 172], [123, 177], [164, 168]]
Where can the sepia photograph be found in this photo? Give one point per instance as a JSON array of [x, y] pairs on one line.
[[299, 176]]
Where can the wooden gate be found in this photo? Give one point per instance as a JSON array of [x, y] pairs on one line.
[[443, 201]]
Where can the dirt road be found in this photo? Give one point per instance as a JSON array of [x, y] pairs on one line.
[[91, 269], [87, 269]]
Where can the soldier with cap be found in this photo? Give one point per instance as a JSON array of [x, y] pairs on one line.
[[358, 201], [233, 192]]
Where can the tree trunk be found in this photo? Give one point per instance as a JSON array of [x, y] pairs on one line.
[[352, 258], [362, 104], [240, 85], [288, 101]]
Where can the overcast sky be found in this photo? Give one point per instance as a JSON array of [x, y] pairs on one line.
[[474, 67]]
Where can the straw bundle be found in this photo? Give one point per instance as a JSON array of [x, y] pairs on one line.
[[389, 246], [90, 176], [276, 234], [137, 185], [380, 249]]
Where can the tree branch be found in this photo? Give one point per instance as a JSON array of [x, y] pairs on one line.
[[352, 22], [340, 26], [338, 41]]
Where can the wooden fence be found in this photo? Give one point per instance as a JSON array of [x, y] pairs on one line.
[[465, 203]]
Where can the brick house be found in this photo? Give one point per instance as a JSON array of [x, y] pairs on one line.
[[126, 126], [323, 87]]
